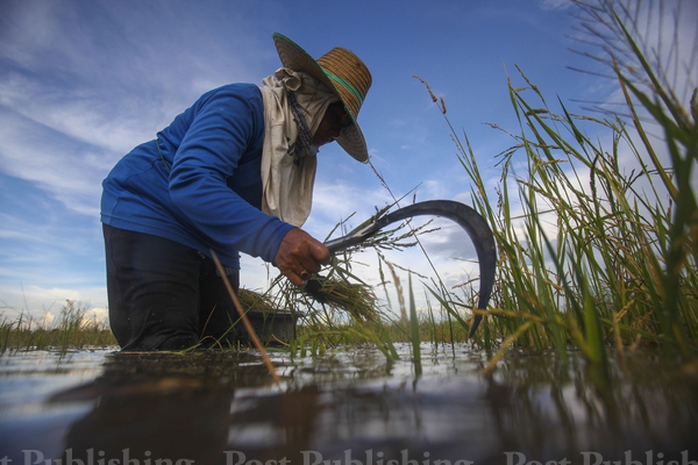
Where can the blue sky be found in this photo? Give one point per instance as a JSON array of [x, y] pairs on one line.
[[83, 81]]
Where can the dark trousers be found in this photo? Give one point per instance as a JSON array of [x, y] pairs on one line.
[[164, 295]]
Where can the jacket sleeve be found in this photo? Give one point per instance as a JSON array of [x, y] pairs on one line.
[[222, 130]]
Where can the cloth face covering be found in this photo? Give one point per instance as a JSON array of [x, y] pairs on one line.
[[288, 166]]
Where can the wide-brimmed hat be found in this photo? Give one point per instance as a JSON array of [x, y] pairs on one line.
[[340, 70]]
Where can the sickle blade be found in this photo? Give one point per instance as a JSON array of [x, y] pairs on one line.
[[470, 220]]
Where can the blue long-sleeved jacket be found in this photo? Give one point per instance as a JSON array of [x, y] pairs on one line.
[[199, 182]]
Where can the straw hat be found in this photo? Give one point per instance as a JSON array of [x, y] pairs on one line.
[[340, 70]]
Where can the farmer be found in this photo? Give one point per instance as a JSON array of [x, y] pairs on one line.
[[233, 173]]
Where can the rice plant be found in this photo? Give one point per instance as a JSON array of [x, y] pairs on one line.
[[72, 330], [592, 254]]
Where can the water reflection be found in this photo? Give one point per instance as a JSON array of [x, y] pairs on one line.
[[568, 409], [356, 407]]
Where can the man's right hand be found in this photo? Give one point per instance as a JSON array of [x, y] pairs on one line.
[[300, 255]]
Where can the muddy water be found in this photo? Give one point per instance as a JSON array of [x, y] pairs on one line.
[[351, 407]]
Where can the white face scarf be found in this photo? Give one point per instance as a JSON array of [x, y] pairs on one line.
[[288, 180]]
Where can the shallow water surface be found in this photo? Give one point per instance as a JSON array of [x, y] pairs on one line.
[[349, 407]]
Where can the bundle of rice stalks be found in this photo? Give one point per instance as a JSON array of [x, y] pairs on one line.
[[358, 300], [252, 301]]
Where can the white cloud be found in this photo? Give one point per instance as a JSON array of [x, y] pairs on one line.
[[37, 300], [70, 171], [96, 315]]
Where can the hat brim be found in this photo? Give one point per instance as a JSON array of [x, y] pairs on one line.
[[294, 57]]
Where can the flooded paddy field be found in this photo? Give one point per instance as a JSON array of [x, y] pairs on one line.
[[347, 407]]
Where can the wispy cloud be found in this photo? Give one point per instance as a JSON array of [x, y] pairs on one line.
[[84, 84], [556, 5]]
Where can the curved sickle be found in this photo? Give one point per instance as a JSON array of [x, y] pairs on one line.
[[470, 220]]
